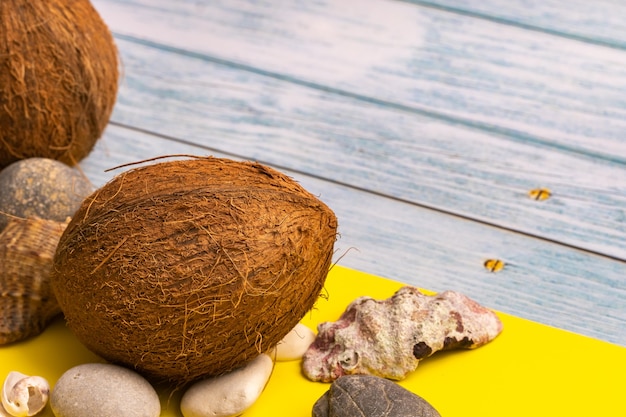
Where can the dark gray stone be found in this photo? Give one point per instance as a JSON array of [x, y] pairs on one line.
[[41, 187], [370, 396]]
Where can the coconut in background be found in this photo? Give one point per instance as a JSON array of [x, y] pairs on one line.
[[58, 79], [58, 84]]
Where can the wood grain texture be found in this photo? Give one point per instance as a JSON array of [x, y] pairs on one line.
[[419, 126], [541, 281], [420, 160], [528, 86], [598, 22]]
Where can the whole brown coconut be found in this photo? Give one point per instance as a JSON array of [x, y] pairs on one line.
[[191, 268], [58, 79]]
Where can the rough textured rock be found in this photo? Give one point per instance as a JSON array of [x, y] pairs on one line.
[[388, 338], [40, 187], [370, 396]]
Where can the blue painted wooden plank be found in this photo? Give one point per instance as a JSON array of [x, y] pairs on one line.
[[529, 86], [598, 22], [541, 281], [560, 286], [423, 161]]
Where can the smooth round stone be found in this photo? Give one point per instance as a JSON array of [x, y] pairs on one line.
[[229, 394], [295, 343], [41, 187], [363, 395], [103, 390]]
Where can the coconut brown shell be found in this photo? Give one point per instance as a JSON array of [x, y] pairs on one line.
[[190, 268], [58, 79]]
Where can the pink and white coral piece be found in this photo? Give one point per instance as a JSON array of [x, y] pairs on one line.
[[388, 338]]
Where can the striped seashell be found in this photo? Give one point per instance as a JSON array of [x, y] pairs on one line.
[[27, 303]]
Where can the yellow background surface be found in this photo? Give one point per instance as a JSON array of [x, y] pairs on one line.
[[529, 370]]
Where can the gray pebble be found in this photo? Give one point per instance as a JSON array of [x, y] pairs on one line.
[[103, 390], [370, 396], [41, 187]]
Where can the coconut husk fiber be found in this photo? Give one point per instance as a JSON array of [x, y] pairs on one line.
[[191, 268], [58, 79]]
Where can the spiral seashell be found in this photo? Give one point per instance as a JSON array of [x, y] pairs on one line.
[[388, 338], [23, 395], [27, 303]]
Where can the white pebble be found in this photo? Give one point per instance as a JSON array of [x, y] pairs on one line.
[[103, 390], [230, 394], [295, 343]]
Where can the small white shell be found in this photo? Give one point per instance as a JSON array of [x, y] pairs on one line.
[[24, 395]]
